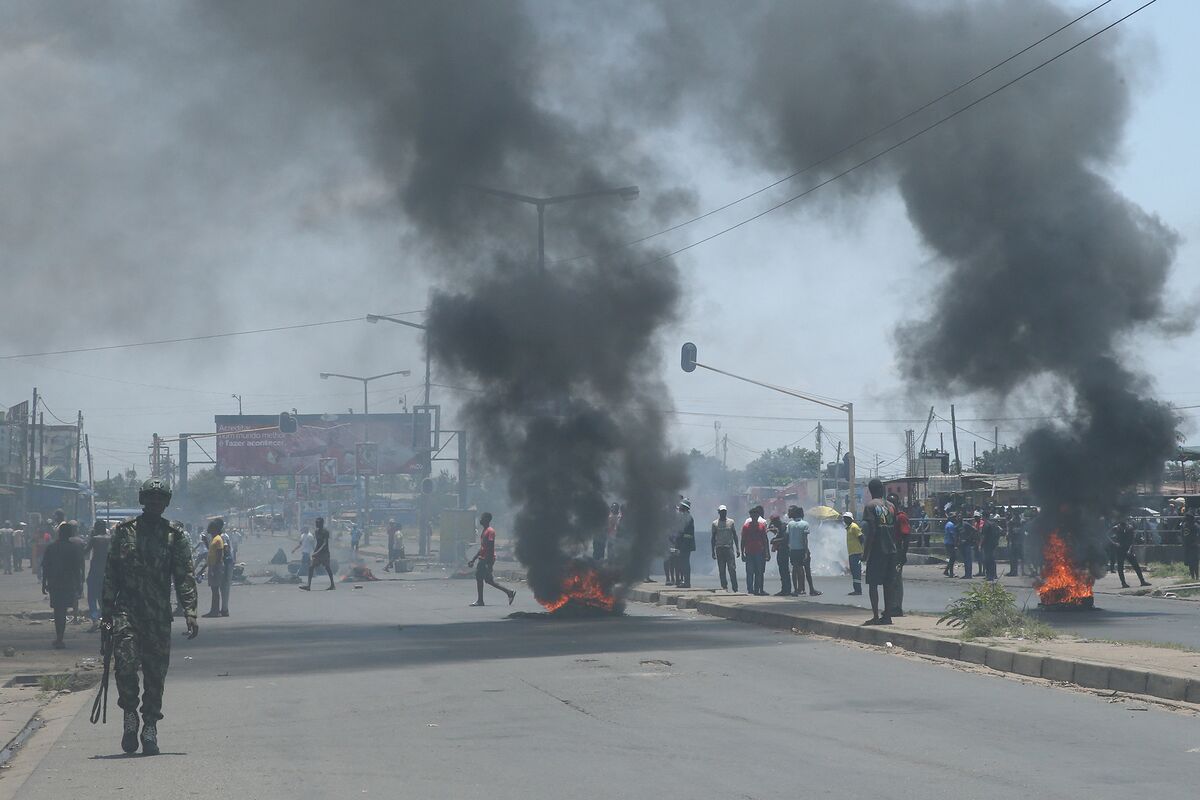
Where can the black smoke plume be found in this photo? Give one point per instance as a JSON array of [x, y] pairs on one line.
[[1045, 266]]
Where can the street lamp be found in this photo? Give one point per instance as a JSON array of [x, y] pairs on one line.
[[688, 362], [366, 434], [624, 192], [374, 318]]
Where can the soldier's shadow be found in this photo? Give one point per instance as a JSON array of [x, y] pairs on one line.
[[121, 756]]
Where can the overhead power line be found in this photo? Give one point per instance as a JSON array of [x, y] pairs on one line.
[[860, 140], [197, 338], [896, 145]]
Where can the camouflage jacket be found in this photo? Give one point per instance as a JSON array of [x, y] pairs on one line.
[[143, 559]]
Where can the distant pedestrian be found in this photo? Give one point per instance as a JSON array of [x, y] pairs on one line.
[[725, 548], [7, 549], [393, 535], [903, 532], [989, 540], [968, 536], [798, 531], [1123, 535], [779, 544], [20, 543], [62, 578], [670, 559], [320, 556], [612, 531], [879, 545], [40, 542], [216, 566], [950, 542], [306, 545], [1191, 545], [355, 538], [486, 558], [754, 550], [97, 549], [1016, 543], [854, 552], [685, 543]]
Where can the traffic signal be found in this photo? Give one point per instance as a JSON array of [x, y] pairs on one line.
[[687, 357], [287, 423]]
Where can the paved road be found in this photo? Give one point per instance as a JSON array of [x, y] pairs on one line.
[[400, 689], [1115, 617]]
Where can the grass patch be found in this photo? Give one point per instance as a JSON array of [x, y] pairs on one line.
[[54, 683], [1173, 569], [989, 609], [1182, 648]]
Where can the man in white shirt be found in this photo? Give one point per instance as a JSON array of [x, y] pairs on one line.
[[307, 544]]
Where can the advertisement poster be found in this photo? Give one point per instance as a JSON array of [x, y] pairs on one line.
[[254, 445]]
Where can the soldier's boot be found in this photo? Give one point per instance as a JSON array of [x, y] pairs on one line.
[[129, 739], [150, 739]]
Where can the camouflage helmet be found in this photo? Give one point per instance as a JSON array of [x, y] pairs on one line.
[[154, 486]]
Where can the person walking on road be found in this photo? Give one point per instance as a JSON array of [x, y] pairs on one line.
[[754, 550], [320, 556], [97, 549], [1123, 534], [725, 548], [62, 578], [147, 553], [393, 535], [216, 566], [854, 552], [306, 545], [879, 544], [685, 542], [486, 558], [798, 531], [1016, 543]]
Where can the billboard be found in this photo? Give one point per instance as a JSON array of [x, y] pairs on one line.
[[57, 447], [324, 445], [14, 441]]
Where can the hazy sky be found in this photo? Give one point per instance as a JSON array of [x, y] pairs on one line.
[[807, 297]]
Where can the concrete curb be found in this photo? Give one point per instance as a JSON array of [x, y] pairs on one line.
[[1002, 659]]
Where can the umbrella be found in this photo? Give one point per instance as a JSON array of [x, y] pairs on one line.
[[823, 513]]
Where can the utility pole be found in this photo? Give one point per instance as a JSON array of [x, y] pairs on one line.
[[837, 471], [725, 454], [954, 436], [154, 457], [238, 397], [78, 450], [41, 447], [820, 470], [910, 438], [32, 451], [996, 450], [87, 445], [716, 436]]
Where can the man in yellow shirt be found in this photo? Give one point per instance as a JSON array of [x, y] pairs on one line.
[[216, 566], [854, 549]]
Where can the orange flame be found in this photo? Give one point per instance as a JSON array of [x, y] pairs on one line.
[[583, 584], [1062, 582]]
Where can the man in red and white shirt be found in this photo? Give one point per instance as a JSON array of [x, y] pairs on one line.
[[487, 559], [754, 550]]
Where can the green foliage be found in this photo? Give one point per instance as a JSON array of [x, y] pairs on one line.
[[1008, 460], [209, 493], [988, 609], [1175, 569], [781, 467], [121, 490]]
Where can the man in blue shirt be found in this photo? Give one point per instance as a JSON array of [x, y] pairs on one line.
[[949, 540], [798, 531]]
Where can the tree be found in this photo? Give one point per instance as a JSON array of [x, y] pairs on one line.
[[783, 466], [708, 477], [208, 491], [1008, 460], [120, 491]]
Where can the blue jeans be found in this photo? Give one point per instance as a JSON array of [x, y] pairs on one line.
[[856, 571], [756, 564], [966, 551]]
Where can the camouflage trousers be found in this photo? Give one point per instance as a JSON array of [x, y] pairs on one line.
[[145, 647]]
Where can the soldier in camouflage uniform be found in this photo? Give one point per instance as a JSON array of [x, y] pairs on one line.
[[146, 554]]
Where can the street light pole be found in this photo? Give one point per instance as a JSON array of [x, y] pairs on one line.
[[366, 510], [624, 192], [689, 363], [373, 318]]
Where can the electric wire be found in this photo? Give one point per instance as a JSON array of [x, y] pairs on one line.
[[861, 140]]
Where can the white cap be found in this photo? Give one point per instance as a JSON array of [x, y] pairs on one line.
[[722, 508], [977, 513], [848, 515]]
